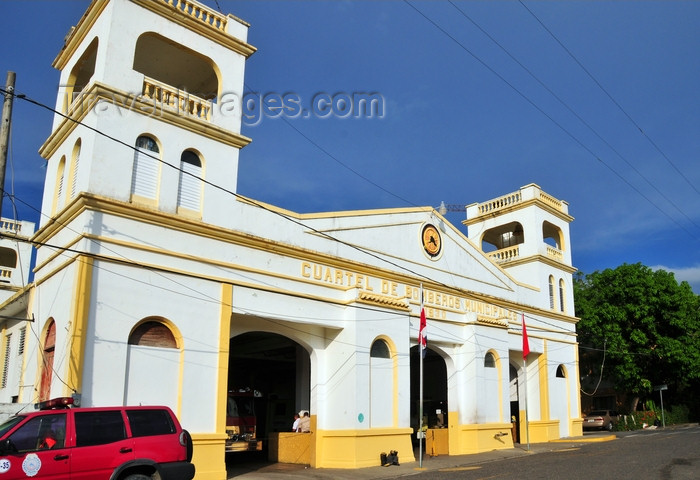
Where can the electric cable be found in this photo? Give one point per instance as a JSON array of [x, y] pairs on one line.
[[617, 104], [555, 122]]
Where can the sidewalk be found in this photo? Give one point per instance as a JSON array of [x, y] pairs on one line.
[[438, 463]]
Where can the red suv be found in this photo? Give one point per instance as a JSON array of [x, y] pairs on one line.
[[114, 443]]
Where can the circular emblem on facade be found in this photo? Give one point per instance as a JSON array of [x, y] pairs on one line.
[[31, 465], [432, 242], [5, 465]]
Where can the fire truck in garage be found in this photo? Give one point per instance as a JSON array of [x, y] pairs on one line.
[[242, 422]]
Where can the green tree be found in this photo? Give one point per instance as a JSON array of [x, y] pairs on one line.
[[647, 325]]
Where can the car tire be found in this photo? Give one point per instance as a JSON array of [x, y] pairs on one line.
[[138, 476], [610, 427]]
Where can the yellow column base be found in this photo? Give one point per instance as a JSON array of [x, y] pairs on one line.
[[209, 456], [482, 437], [541, 431], [361, 448], [576, 427]]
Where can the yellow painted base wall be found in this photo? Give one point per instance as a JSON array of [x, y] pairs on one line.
[[360, 448], [484, 437], [576, 427], [541, 431], [290, 447], [209, 457]]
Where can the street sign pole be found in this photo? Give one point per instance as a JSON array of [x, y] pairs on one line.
[[661, 389]]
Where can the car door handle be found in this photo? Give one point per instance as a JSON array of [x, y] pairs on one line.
[[125, 450], [61, 457]]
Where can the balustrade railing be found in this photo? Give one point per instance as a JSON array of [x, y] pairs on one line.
[[500, 203], [546, 198], [10, 226], [555, 253], [175, 99], [199, 12], [505, 254]]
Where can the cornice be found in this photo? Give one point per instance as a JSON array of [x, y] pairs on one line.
[[538, 259], [79, 32], [174, 15], [519, 206], [98, 91]]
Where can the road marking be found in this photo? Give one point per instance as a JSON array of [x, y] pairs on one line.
[[568, 449], [457, 469]]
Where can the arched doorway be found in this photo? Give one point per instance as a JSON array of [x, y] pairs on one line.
[[277, 372], [515, 402], [435, 406]]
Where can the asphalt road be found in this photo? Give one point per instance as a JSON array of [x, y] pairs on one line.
[[667, 454]]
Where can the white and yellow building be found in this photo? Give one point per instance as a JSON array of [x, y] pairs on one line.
[[156, 283]]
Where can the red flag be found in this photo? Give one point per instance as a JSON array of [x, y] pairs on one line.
[[422, 333], [526, 344]]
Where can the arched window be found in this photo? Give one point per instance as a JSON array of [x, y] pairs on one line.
[[552, 235], [144, 180], [190, 186], [75, 160], [561, 294], [154, 359], [8, 257], [489, 360], [153, 334], [561, 371], [58, 189], [47, 361], [379, 350], [381, 391], [81, 74], [551, 292]]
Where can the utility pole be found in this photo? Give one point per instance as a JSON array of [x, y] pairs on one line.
[[5, 129]]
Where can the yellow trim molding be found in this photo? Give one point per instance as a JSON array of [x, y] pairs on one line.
[[97, 91], [78, 326]]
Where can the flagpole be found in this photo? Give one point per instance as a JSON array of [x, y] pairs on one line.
[[421, 433], [527, 420], [526, 351]]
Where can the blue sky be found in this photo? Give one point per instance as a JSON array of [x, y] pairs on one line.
[[463, 121]]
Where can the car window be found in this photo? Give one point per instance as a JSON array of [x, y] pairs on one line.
[[597, 413], [150, 422], [8, 424], [98, 428], [40, 433]]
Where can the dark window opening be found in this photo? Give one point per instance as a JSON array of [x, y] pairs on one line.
[[380, 350], [153, 334]]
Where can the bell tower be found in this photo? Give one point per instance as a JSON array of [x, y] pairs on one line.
[[527, 234], [149, 101]]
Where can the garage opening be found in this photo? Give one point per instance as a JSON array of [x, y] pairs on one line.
[[268, 382]]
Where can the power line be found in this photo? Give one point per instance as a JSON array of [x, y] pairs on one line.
[[571, 110], [617, 104], [539, 109]]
